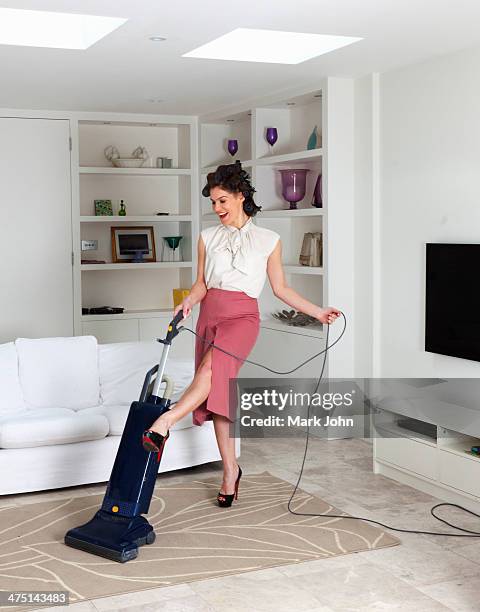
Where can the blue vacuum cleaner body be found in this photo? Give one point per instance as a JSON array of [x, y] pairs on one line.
[[118, 528]]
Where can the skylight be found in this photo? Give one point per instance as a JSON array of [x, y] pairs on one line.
[[57, 30], [270, 46]]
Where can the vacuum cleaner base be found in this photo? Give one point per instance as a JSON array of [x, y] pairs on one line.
[[118, 527], [113, 537]]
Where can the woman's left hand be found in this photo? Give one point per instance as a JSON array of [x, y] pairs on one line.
[[328, 315]]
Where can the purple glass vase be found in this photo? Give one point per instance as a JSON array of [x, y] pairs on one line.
[[232, 147], [294, 184], [271, 136], [317, 193]]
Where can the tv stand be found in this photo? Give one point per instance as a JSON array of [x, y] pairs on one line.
[[428, 456]]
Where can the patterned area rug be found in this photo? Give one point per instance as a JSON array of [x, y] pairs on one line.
[[195, 539]]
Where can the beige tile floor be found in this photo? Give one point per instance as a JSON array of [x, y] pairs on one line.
[[423, 574]]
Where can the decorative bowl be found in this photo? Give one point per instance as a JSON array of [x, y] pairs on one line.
[[128, 162], [291, 317]]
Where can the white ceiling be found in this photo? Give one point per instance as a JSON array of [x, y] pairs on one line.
[[124, 70]]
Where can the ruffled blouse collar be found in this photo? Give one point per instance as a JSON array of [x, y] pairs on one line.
[[245, 227], [238, 241]]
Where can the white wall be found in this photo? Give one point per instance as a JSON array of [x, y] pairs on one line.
[[338, 135], [36, 245], [429, 192], [363, 236]]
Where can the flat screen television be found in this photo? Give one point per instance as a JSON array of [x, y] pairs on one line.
[[452, 300]]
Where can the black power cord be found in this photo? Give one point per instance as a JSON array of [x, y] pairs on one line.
[[467, 533]]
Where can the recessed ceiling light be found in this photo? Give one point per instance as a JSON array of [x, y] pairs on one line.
[[272, 46], [56, 30], [157, 38]]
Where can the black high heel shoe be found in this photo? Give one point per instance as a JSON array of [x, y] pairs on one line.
[[154, 442], [225, 500]]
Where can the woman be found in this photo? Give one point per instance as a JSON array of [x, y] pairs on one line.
[[233, 260]]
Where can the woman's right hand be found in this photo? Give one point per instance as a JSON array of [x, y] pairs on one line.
[[186, 306]]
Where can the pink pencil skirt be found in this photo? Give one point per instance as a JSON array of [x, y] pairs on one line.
[[231, 320]]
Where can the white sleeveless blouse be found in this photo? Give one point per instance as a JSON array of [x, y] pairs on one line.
[[236, 259]]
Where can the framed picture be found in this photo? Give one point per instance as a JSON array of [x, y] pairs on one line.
[[133, 244], [103, 208]]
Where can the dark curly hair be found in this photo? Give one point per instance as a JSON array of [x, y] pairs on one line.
[[234, 179]]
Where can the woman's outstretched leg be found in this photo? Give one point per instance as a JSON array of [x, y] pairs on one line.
[[226, 446], [192, 397]]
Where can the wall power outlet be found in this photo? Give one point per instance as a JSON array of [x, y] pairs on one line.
[[89, 245]]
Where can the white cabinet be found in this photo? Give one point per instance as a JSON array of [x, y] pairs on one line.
[[417, 457], [436, 460], [139, 327], [461, 473], [36, 211], [283, 351], [110, 330]]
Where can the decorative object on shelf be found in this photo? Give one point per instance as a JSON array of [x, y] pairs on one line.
[[312, 140], [132, 244], [311, 252], [141, 153], [92, 261], [103, 310], [111, 153], [294, 183], [232, 147], [179, 295], [128, 162], [164, 162], [171, 249], [271, 136], [298, 319], [103, 208], [123, 211], [317, 199], [139, 156]]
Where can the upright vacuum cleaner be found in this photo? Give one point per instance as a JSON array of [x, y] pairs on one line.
[[118, 529]]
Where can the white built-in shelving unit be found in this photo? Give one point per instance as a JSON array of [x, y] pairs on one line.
[[294, 118], [197, 145], [294, 114], [144, 290]]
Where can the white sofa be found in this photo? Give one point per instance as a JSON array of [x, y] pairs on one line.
[[63, 406]]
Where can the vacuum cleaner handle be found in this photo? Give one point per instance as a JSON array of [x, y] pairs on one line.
[[172, 328]]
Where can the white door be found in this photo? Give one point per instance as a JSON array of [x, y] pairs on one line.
[[36, 274]]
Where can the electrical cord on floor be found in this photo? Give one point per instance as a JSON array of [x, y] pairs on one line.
[[467, 533]]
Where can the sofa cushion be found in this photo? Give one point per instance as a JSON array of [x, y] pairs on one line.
[[117, 417], [123, 366], [11, 397], [59, 371], [50, 426]]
